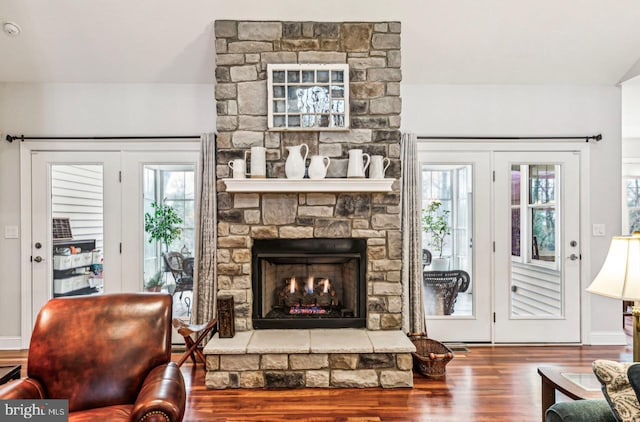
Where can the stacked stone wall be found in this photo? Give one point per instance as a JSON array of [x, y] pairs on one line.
[[321, 370], [372, 50]]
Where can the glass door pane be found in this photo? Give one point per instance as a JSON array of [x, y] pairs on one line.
[[447, 199], [77, 229], [169, 216], [535, 275]]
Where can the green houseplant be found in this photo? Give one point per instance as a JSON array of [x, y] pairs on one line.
[[435, 222], [155, 283], [162, 224]]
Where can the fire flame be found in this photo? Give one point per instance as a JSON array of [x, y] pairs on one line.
[[292, 285], [326, 285], [310, 285]]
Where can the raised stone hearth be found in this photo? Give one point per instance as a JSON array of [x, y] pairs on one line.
[[322, 358]]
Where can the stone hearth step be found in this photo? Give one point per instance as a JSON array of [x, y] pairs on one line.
[[329, 358]]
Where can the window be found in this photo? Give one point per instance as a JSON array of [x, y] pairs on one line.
[[631, 216], [515, 210], [172, 185], [178, 192], [538, 227], [447, 224], [451, 186], [437, 187], [308, 96]]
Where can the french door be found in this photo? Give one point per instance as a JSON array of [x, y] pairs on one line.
[[167, 178], [461, 182], [75, 225], [85, 230], [513, 222], [537, 247]]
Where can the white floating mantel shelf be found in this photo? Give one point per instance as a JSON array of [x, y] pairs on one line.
[[308, 185]]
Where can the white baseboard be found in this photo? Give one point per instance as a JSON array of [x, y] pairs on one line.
[[607, 338], [10, 343]]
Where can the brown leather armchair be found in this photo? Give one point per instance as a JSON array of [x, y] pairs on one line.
[[109, 355]]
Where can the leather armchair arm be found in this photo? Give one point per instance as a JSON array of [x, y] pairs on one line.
[[25, 388], [162, 396]]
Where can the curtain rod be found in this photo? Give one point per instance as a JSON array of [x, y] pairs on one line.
[[10, 138], [586, 138]]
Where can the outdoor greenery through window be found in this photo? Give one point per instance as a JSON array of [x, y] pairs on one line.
[[173, 186], [451, 187]]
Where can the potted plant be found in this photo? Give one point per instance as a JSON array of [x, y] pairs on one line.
[[155, 283], [435, 222], [162, 225]]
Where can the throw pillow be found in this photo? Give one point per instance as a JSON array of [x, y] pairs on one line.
[[617, 389], [633, 373]]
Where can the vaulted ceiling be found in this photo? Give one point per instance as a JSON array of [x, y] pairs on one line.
[[443, 41]]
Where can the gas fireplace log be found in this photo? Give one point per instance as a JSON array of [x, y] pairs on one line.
[[314, 292]]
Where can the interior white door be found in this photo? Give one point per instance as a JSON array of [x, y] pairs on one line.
[[461, 181], [85, 185], [537, 247]]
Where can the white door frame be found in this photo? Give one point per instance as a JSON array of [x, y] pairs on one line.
[[585, 210], [26, 148]]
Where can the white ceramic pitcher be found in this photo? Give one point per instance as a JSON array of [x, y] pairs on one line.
[[357, 163], [318, 166], [258, 162], [378, 166], [294, 166], [239, 168]]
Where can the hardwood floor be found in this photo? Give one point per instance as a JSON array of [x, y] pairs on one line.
[[487, 383]]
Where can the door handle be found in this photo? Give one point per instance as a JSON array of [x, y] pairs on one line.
[[573, 257], [38, 259]]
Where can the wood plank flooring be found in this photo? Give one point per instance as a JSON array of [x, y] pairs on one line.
[[487, 383]]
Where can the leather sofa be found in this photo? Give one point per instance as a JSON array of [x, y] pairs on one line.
[[109, 356]]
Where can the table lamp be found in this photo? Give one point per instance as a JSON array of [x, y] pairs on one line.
[[619, 278]]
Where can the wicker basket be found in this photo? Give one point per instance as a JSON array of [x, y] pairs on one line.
[[431, 356]]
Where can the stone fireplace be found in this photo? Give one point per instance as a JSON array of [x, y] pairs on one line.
[[372, 51], [376, 354], [309, 283]]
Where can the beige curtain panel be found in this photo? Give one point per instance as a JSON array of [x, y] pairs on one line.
[[206, 286], [413, 295]]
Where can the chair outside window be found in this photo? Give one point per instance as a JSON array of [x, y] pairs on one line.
[[442, 288], [181, 270]]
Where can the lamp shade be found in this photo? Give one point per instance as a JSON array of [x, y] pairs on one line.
[[619, 277]]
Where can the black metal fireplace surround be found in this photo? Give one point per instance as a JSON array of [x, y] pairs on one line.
[[309, 283]]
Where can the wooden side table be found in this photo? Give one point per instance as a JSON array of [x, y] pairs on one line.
[[8, 373], [575, 383]]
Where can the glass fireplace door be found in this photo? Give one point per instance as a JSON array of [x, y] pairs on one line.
[[309, 283]]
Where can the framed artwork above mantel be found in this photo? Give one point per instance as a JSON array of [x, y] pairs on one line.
[[308, 97]]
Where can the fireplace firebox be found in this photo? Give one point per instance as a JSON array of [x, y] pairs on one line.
[[309, 283]]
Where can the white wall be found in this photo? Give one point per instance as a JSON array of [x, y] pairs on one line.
[[81, 110], [543, 111], [631, 109], [631, 120]]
